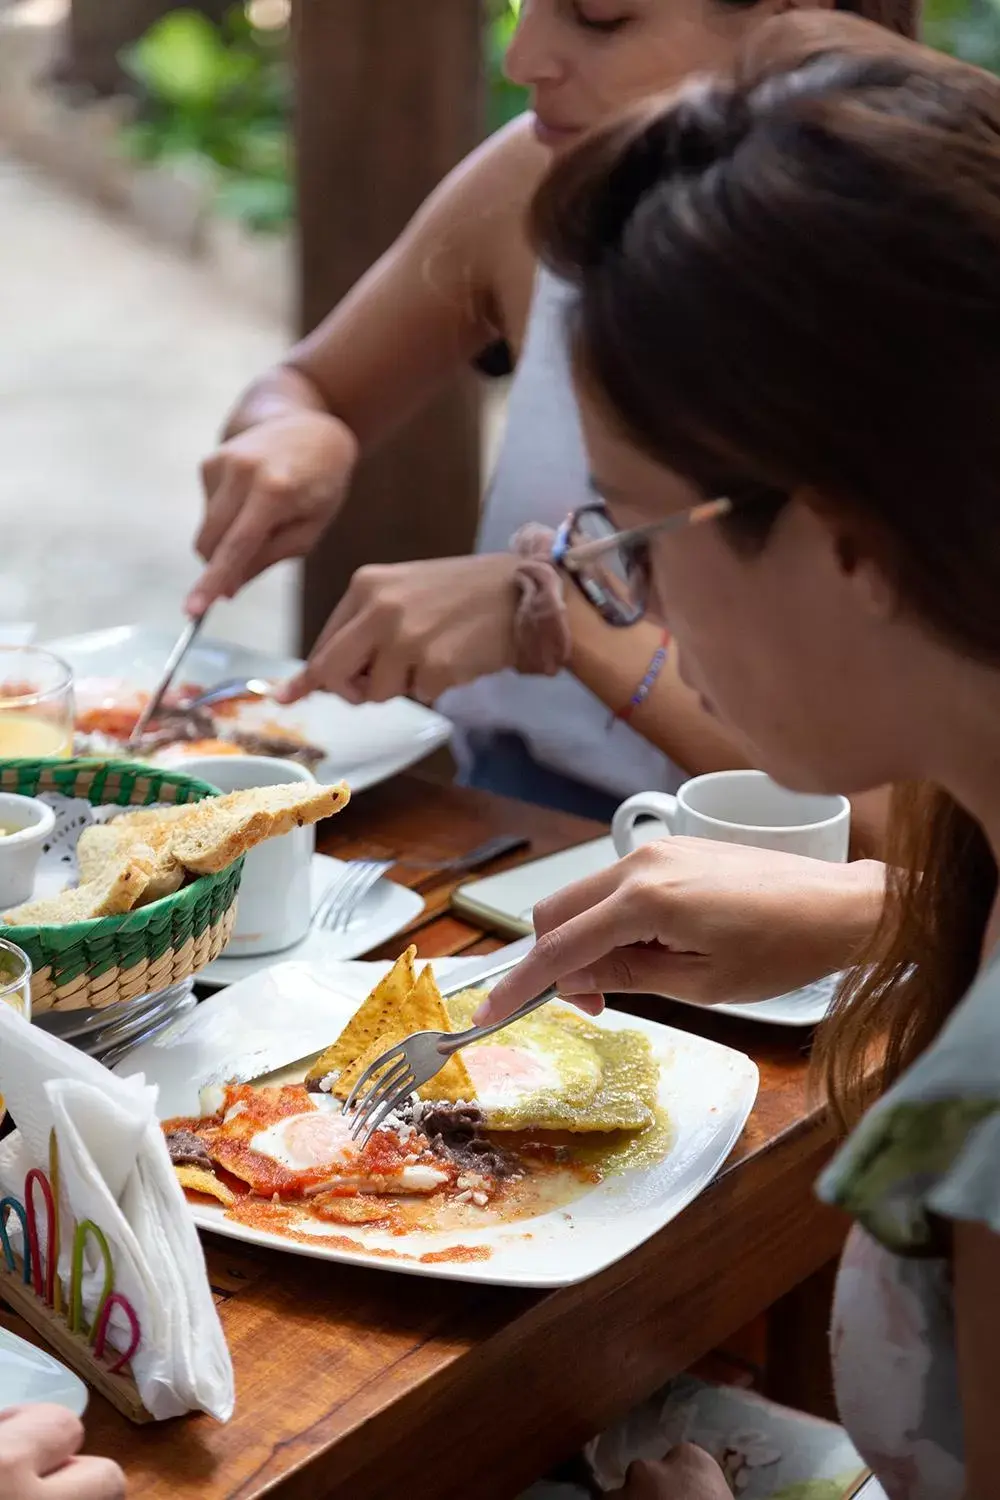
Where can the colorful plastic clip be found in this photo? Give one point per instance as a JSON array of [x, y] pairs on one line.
[[101, 1330], [76, 1322], [6, 1205], [39, 1177]]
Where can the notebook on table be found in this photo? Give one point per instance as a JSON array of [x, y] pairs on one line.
[[505, 902]]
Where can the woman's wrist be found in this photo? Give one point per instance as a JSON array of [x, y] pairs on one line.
[[858, 909], [282, 392]]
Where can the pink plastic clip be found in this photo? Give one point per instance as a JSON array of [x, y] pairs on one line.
[[101, 1332], [36, 1175]]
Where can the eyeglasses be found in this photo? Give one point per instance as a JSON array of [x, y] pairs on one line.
[[611, 568]]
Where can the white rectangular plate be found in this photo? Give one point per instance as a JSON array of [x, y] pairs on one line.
[[293, 1009], [507, 900], [365, 744]]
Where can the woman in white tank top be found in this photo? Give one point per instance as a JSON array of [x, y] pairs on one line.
[[291, 444], [514, 731]]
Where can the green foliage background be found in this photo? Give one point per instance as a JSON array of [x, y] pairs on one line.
[[223, 96]]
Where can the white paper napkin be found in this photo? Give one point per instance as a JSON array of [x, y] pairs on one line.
[[115, 1170]]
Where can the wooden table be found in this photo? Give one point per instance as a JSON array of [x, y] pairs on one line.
[[367, 1385]]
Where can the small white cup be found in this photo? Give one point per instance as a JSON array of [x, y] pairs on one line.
[[30, 823], [738, 807], [275, 902]]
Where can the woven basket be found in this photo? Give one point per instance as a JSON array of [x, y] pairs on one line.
[[89, 965]]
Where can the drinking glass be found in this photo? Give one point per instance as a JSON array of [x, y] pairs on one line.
[[36, 704], [15, 987]]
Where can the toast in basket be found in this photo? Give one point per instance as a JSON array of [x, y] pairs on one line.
[[144, 855]]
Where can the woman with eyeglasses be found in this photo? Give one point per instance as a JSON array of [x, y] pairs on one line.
[[577, 713], [786, 288]]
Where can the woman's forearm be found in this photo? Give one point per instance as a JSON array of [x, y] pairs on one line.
[[612, 662]]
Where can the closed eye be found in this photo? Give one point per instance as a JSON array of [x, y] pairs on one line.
[[605, 26]]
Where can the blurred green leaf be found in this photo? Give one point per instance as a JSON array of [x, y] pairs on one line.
[[263, 204], [183, 59], [969, 29], [505, 100]]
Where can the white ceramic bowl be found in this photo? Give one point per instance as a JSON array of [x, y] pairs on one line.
[[31, 822]]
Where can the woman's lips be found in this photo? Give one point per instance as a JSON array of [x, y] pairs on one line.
[[554, 136]]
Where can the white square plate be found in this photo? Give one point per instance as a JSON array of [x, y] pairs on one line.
[[507, 900], [365, 744], [293, 1010]]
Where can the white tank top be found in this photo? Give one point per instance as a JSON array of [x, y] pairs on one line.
[[541, 475]]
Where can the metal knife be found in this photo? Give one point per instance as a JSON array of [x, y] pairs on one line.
[[181, 647], [249, 1069]]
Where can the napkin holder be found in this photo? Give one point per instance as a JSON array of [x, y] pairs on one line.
[[32, 1286]]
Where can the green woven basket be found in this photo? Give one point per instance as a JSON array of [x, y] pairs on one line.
[[90, 965]]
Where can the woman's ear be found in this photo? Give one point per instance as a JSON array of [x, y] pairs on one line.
[[857, 552]]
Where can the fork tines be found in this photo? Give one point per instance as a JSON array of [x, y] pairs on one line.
[[385, 1094]]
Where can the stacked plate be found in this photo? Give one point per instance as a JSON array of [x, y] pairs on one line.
[[110, 1033]]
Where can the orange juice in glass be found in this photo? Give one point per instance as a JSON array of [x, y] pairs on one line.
[[15, 987], [36, 704]]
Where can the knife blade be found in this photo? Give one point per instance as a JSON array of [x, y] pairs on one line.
[[252, 1068], [180, 649]]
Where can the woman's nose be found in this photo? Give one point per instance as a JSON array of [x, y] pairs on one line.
[[531, 58]]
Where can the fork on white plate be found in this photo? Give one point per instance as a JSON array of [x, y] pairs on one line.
[[414, 1062]]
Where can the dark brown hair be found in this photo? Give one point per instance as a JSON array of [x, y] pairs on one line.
[[789, 278], [900, 16]]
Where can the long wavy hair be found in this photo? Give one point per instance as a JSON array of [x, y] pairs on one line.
[[789, 279]]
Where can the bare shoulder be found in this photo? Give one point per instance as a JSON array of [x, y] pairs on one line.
[[502, 174], [483, 205]]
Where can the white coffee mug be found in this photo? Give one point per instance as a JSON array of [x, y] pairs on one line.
[[738, 807], [275, 902]]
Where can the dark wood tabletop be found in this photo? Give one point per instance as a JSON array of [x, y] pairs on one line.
[[368, 1385]]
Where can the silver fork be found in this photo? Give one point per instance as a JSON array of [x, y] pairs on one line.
[[346, 892], [351, 885], [414, 1062]]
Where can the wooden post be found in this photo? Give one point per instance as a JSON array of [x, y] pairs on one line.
[[389, 100]]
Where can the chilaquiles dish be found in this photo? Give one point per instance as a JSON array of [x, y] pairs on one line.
[[510, 1127]]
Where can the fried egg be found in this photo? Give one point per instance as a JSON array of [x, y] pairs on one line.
[[292, 1143], [556, 1070], [320, 1141]]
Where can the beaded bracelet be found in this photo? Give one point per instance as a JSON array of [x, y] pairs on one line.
[[648, 682]]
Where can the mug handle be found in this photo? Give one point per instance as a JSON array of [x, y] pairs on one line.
[[658, 805]]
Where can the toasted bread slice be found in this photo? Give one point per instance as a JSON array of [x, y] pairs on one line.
[[370, 1020], [115, 893], [296, 804], [422, 1010], [154, 817], [102, 846], [220, 829]]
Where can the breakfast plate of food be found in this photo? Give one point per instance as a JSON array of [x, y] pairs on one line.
[[115, 670], [535, 1158]]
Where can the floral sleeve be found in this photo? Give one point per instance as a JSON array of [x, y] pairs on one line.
[[930, 1150]]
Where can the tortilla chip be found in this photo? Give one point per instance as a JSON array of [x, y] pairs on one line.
[[197, 1180], [422, 1010], [370, 1019]]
